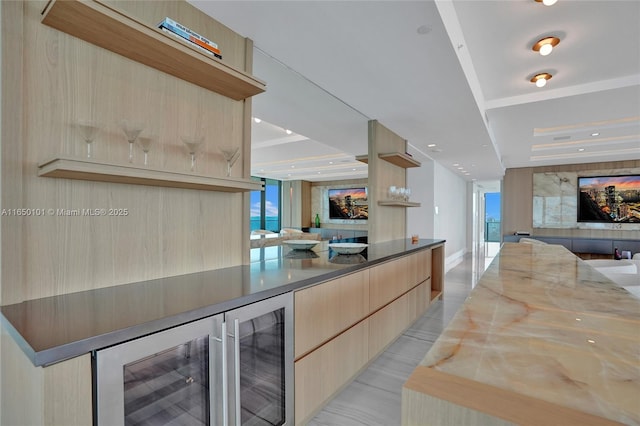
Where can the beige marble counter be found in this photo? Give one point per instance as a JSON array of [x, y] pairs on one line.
[[543, 339]]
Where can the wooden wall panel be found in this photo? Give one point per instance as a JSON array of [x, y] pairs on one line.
[[166, 231], [385, 223], [517, 199]]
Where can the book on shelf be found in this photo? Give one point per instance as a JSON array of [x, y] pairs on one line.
[[170, 26]]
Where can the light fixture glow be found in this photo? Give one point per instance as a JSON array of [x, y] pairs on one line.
[[547, 2], [287, 131], [580, 149], [541, 79], [545, 45], [595, 134], [256, 119], [431, 145]]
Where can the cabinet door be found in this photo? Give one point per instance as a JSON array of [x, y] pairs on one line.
[[387, 281], [418, 267], [325, 310], [387, 324], [169, 377], [260, 362], [320, 374]]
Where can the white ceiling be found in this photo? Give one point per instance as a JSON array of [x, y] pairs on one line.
[[451, 73]]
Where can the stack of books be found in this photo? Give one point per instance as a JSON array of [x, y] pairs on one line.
[[176, 29]]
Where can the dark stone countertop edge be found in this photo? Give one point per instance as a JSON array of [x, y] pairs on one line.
[[68, 350]]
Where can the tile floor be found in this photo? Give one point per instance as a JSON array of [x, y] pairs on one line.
[[374, 397]]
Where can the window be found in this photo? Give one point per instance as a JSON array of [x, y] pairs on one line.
[[265, 206]]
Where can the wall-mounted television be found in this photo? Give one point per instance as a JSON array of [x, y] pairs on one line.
[[609, 199], [348, 203]]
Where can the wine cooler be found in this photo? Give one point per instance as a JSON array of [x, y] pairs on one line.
[[234, 368]]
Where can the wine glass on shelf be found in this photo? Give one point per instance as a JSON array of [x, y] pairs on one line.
[[192, 143], [131, 130], [231, 155], [146, 142], [88, 130]]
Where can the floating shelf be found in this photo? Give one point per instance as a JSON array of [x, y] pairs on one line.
[[99, 24], [400, 159], [394, 203], [86, 169], [397, 158]]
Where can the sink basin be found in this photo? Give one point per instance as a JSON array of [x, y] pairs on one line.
[[348, 248], [301, 244]]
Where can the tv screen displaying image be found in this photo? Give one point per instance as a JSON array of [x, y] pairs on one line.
[[609, 199], [348, 203]]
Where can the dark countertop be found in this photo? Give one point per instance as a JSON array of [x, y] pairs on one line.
[[56, 328]]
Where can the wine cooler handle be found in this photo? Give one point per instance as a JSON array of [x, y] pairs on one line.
[[236, 370], [225, 379]]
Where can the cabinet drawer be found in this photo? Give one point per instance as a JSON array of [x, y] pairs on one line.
[[418, 267], [319, 375], [387, 324], [325, 310], [387, 281]]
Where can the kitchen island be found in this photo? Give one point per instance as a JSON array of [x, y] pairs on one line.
[[543, 339]]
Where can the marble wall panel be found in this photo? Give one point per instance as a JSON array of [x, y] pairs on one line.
[[555, 200]]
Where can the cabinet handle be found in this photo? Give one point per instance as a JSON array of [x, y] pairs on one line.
[[225, 379], [236, 354]]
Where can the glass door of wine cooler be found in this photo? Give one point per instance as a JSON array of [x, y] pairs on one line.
[[260, 358], [171, 377]]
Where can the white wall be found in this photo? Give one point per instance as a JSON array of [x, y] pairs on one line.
[[434, 186]]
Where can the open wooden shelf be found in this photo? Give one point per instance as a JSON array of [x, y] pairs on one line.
[[400, 159], [397, 158], [396, 203], [435, 294], [87, 169], [99, 24]]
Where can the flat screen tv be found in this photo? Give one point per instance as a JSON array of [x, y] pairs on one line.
[[609, 199], [348, 203]]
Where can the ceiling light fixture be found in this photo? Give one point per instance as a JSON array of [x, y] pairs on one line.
[[287, 131], [547, 2], [595, 134], [256, 119], [541, 79], [545, 45], [431, 145]]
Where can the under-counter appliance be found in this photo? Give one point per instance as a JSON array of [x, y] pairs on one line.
[[234, 368]]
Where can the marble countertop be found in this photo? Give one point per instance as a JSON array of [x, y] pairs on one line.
[[56, 328], [544, 325]]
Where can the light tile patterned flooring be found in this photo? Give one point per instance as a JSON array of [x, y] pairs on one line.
[[374, 397]]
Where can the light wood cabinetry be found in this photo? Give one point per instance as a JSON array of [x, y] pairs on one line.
[[338, 319], [322, 373], [85, 169], [437, 272], [387, 282], [324, 311], [106, 27], [387, 324]]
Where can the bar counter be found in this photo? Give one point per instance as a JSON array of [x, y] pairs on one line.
[[56, 328], [543, 339]]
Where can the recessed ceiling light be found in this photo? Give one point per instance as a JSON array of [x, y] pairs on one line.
[[455, 164], [293, 167], [460, 168], [353, 170], [288, 131], [541, 79], [423, 29], [330, 162], [595, 134], [580, 149], [431, 145], [547, 2], [256, 119], [545, 45]]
